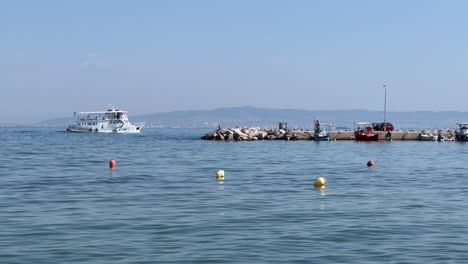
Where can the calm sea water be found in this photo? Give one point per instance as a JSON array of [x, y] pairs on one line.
[[60, 203]]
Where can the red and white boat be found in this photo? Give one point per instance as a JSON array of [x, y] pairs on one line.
[[363, 131]]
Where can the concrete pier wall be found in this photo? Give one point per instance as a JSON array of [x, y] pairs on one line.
[[395, 135], [255, 133]]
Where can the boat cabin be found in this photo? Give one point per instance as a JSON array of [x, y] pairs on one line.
[[115, 114], [462, 133], [321, 126], [110, 114], [463, 128], [363, 127], [363, 131]]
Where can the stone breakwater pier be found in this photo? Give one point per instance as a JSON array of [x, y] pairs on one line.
[[256, 133]]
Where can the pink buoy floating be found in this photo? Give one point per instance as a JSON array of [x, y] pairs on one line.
[[112, 164]]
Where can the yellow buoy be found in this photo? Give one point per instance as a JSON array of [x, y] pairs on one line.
[[220, 175], [320, 182]]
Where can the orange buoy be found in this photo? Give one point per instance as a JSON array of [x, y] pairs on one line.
[[112, 163], [370, 163]]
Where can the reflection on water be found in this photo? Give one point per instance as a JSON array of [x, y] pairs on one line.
[[323, 191]]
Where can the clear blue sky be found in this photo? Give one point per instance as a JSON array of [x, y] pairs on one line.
[[57, 57]]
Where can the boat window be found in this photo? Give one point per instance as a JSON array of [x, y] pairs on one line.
[[110, 115]]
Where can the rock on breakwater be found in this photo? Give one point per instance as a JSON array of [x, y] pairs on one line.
[[257, 133]]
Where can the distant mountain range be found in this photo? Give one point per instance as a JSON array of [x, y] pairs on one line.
[[296, 118]]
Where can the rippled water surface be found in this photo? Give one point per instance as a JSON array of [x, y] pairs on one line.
[[60, 203]]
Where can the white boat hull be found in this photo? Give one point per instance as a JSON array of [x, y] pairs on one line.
[[125, 129]]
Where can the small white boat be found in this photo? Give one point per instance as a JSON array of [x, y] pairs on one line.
[[319, 134], [462, 133], [427, 137], [110, 121]]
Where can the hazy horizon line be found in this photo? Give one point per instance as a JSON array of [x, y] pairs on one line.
[[2, 123]]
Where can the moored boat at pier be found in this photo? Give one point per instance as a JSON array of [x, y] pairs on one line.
[[319, 134], [363, 131], [425, 136], [462, 133]]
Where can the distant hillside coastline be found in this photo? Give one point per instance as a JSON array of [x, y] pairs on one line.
[[296, 118]]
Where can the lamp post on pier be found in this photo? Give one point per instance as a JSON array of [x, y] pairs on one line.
[[385, 109]]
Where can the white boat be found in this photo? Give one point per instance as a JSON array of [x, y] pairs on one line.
[[110, 121], [319, 134], [462, 133], [427, 137]]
